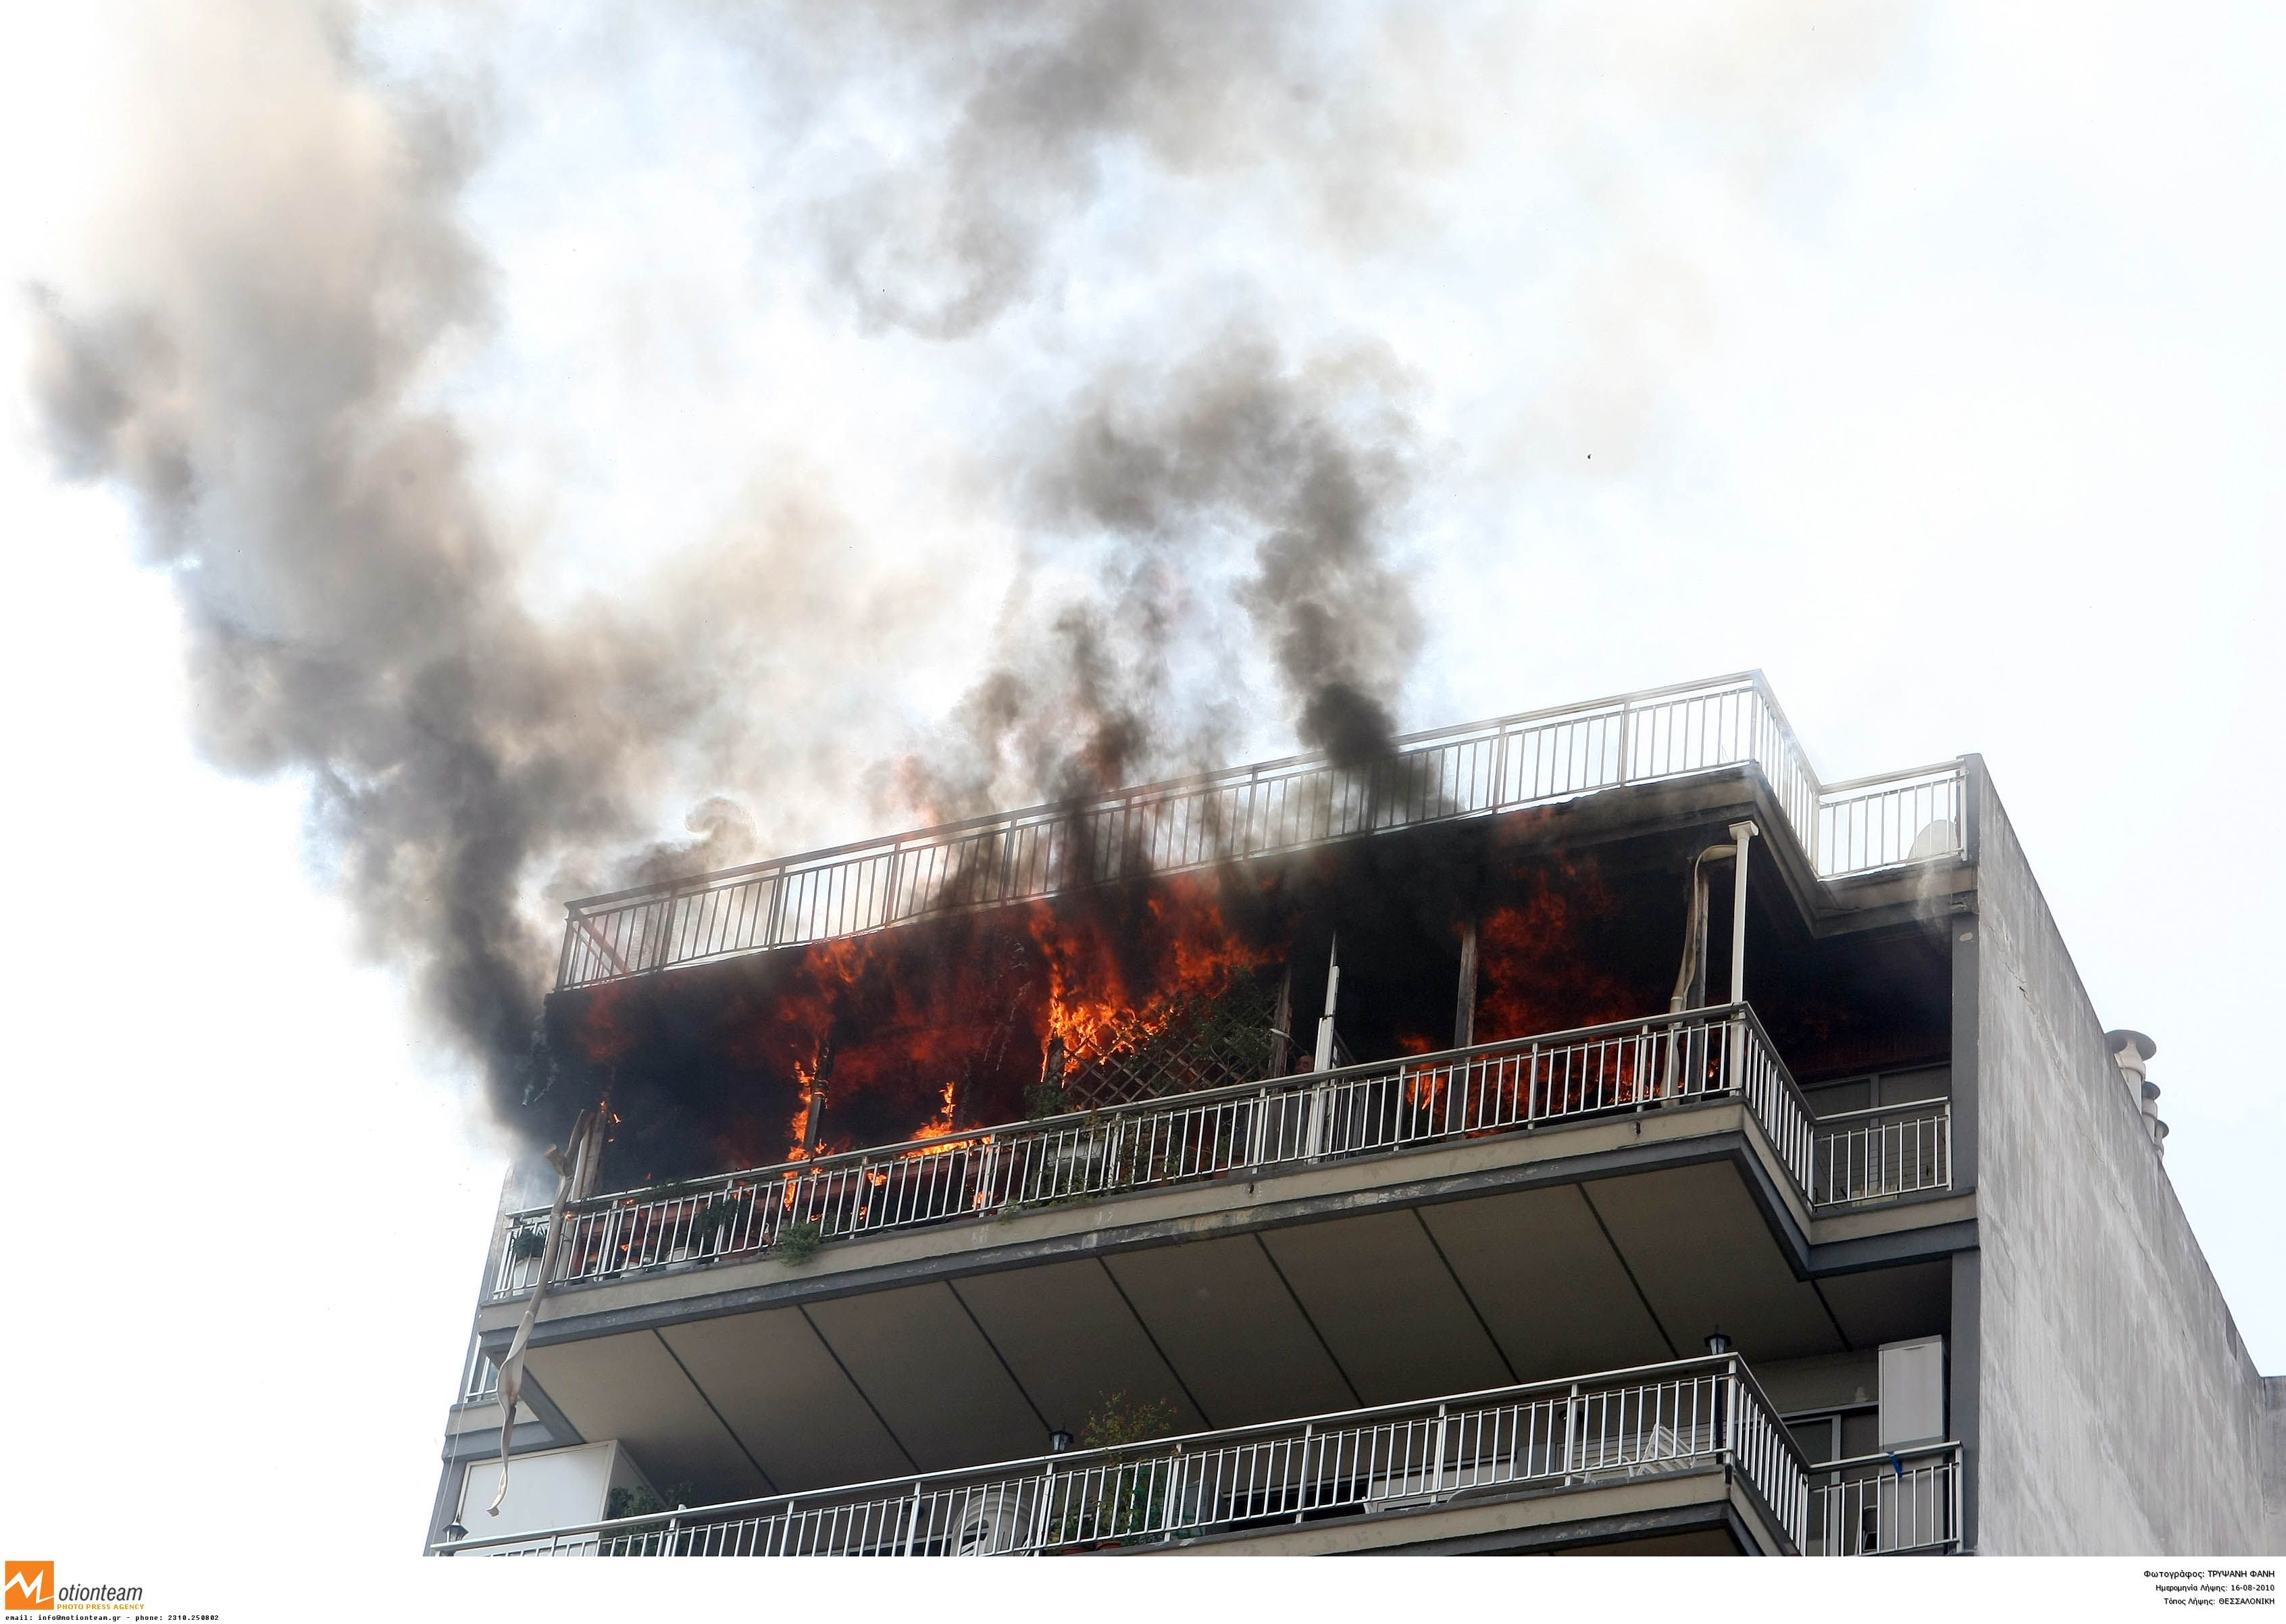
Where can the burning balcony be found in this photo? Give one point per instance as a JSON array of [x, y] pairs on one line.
[[1423, 940], [1346, 1123], [1250, 1132]]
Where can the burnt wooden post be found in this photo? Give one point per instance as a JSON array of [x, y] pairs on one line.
[[1464, 1007], [1281, 1026], [818, 1078]]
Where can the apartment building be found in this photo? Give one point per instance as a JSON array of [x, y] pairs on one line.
[[1586, 1131]]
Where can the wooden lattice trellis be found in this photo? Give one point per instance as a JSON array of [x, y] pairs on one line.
[[1206, 1042]]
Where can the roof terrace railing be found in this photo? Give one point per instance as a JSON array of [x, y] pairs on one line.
[[1535, 759], [1652, 1420], [1699, 1056]]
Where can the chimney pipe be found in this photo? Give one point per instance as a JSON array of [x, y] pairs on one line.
[[2132, 1052], [1742, 835]]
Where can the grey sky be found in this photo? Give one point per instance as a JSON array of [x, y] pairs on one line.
[[755, 376]]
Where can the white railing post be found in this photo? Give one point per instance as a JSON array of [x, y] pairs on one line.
[[610, 1240], [912, 1518]]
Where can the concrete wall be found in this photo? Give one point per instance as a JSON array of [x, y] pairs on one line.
[[2120, 1412], [2273, 1459]]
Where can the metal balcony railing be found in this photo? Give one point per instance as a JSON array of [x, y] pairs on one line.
[[1530, 760], [480, 1380], [1652, 1421], [1900, 1504], [1890, 1150], [1669, 1061], [1888, 821]]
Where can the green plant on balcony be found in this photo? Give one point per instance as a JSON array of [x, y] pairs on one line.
[[1122, 1505], [526, 1243], [1118, 1422], [642, 1499], [636, 1500], [720, 1218], [798, 1243]]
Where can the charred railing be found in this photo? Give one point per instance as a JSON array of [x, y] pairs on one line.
[[1188, 823], [1907, 1503], [1654, 1421], [1670, 1060]]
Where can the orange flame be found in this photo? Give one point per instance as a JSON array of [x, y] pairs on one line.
[[798, 1128], [1538, 975], [938, 1026], [1091, 1007]]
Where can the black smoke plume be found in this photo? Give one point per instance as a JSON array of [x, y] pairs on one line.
[[1307, 465], [260, 382], [1230, 475]]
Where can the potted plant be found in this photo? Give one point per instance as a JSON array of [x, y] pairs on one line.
[[798, 1243], [1126, 1510]]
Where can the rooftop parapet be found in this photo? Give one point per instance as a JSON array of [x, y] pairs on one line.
[[1535, 759]]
